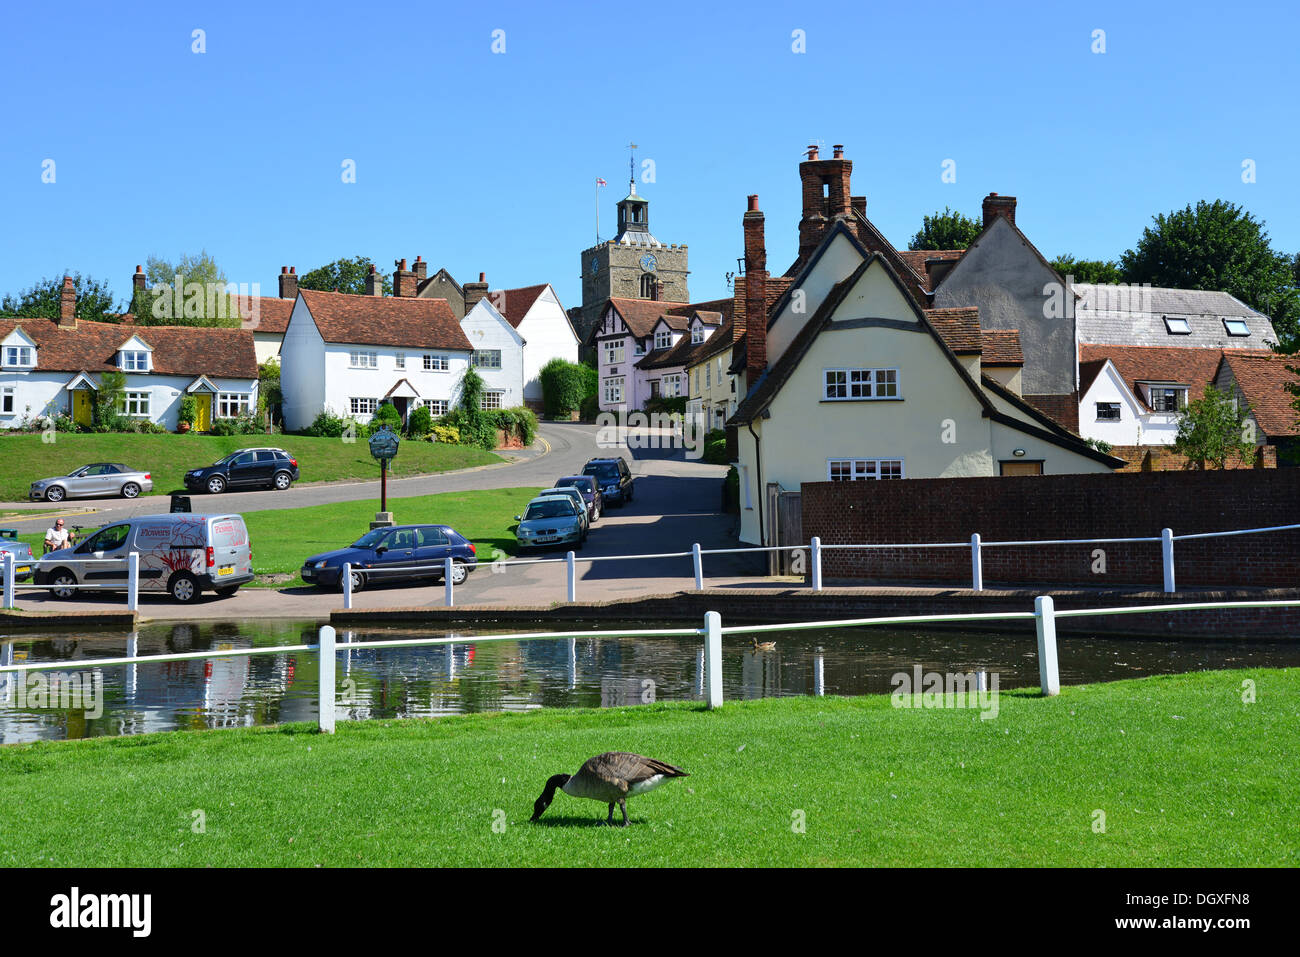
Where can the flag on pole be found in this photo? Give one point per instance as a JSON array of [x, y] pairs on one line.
[[600, 182]]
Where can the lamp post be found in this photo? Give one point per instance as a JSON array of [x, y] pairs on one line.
[[383, 446]]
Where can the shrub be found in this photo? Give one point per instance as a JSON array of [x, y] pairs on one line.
[[419, 422], [189, 410], [445, 433], [565, 385], [519, 420], [590, 408], [477, 427], [385, 415], [715, 447], [328, 425], [671, 404], [731, 491]]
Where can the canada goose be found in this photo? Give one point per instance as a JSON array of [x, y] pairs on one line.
[[763, 645], [611, 777]]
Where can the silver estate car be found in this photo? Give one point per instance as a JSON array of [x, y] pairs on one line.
[[98, 479], [551, 520]]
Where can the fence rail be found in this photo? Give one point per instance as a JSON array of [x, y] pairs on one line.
[[327, 645]]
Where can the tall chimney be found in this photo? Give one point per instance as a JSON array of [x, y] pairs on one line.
[[474, 291], [68, 304], [138, 281], [995, 206], [374, 282], [656, 290], [403, 280], [288, 282], [755, 293], [825, 185], [421, 269]]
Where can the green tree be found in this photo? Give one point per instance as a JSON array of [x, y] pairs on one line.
[[94, 301], [1219, 246], [1212, 429], [476, 426], [345, 275], [192, 291], [946, 230], [107, 414], [1088, 270]]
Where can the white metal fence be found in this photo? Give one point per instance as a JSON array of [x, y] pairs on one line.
[[1044, 616], [131, 586]]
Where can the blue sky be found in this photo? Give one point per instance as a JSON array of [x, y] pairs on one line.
[[487, 161]]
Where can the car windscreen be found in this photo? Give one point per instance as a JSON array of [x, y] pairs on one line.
[[603, 472], [581, 484], [371, 539], [559, 508]]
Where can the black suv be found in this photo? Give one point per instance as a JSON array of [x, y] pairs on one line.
[[247, 468], [613, 477]]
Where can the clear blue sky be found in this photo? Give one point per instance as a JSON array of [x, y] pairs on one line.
[[483, 161]]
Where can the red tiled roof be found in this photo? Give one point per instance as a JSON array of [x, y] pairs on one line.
[[917, 258], [385, 321], [272, 314], [959, 327], [517, 302], [1194, 368], [641, 315], [177, 350], [1263, 378], [1001, 348]]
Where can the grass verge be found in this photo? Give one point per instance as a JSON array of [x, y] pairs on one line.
[[1185, 773]]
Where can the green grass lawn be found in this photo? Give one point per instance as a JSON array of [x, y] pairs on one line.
[[1185, 773], [168, 457]]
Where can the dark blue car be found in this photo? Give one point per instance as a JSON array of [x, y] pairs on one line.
[[396, 553]]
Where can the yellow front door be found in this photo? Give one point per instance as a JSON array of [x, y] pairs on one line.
[[82, 409], [204, 421]]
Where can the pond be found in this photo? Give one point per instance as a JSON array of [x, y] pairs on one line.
[[474, 676]]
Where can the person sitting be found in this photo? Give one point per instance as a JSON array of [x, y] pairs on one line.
[[56, 537]]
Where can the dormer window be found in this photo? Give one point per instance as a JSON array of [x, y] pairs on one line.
[[1236, 327], [697, 334], [1177, 327], [19, 357], [663, 339], [133, 360]]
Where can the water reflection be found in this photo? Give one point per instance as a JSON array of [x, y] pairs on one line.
[[470, 676]]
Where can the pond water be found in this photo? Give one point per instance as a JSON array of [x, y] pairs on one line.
[[474, 676]]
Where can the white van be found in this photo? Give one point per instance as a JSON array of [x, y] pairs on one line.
[[180, 553]]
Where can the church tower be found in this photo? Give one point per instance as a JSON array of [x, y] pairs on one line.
[[631, 264]]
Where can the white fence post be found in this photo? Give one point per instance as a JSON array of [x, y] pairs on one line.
[[326, 668], [571, 573], [1167, 554], [448, 597], [699, 566], [816, 563], [713, 656], [133, 581], [1045, 620], [347, 584], [976, 564], [9, 579]]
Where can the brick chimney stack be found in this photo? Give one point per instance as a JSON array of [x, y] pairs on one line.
[[288, 282], [474, 291], [755, 293], [403, 280], [68, 304], [421, 270], [139, 283], [995, 205], [374, 282], [826, 197]]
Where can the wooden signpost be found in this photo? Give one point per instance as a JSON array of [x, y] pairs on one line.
[[383, 446]]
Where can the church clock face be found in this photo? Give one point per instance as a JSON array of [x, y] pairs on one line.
[[595, 265], [648, 263]]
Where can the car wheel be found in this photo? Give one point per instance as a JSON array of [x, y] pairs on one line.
[[227, 591], [130, 490], [459, 572], [183, 587], [595, 514], [63, 584], [282, 481], [358, 581], [54, 493], [216, 485]]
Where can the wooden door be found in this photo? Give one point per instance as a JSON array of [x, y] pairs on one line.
[[82, 407], [203, 421], [1019, 467]]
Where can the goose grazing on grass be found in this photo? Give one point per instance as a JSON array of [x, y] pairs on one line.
[[611, 777], [763, 645]]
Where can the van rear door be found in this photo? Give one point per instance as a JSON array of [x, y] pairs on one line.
[[228, 539]]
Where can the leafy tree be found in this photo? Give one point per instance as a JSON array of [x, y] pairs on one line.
[[189, 292], [1088, 270], [1219, 245], [269, 396], [565, 385], [106, 414], [94, 301], [476, 426], [1212, 429], [946, 230], [346, 275]]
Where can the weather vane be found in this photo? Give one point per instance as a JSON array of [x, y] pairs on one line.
[[631, 165]]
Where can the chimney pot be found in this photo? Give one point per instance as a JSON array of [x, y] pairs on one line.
[[753, 201], [284, 270], [482, 277], [138, 281], [839, 151], [293, 270], [288, 282]]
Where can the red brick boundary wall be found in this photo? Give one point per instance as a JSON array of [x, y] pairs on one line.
[[1021, 508]]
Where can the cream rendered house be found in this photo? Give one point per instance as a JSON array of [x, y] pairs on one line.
[[867, 388]]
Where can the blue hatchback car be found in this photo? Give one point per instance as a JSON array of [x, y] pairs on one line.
[[396, 553]]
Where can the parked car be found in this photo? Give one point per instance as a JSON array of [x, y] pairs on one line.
[[23, 558], [573, 495], [590, 490], [247, 468], [395, 553], [98, 478], [551, 520], [181, 554], [614, 478]]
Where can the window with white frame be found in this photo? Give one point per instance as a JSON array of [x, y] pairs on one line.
[[613, 351], [1177, 326], [491, 399], [362, 406], [436, 363], [697, 380], [612, 393], [486, 359], [1168, 398], [360, 359], [133, 360], [708, 376], [230, 405], [697, 335], [399, 360], [134, 404], [20, 356], [7, 400], [663, 339], [1236, 327], [672, 386], [856, 384], [856, 470], [436, 406]]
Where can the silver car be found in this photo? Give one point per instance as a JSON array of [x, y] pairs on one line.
[[98, 479], [551, 520], [573, 495]]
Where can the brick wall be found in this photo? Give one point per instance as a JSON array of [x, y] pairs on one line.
[[1162, 458], [1063, 507]]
